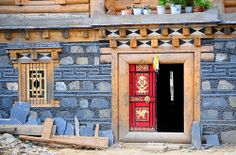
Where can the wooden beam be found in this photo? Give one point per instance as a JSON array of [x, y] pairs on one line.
[[197, 42], [65, 33], [230, 9], [85, 33], [47, 128], [8, 35], [7, 2], [102, 33], [76, 141], [26, 35], [208, 30], [112, 43], [154, 43], [122, 32], [229, 3], [136, 1], [46, 9], [143, 32], [60, 1], [175, 42], [186, 31], [133, 42], [164, 31]]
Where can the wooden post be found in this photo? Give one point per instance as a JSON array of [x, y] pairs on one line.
[[208, 30], [133, 42], [47, 128], [102, 33], [175, 42], [112, 43], [154, 43], [164, 31], [143, 32], [197, 42], [97, 7], [122, 32], [186, 31]]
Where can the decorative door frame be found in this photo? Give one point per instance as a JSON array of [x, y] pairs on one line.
[[121, 58]]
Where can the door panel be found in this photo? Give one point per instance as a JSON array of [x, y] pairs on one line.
[[142, 113]]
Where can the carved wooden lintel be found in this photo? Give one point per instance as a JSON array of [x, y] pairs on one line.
[[8, 35], [66, 33], [45, 34]]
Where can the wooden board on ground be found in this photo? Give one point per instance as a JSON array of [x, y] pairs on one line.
[[47, 128]]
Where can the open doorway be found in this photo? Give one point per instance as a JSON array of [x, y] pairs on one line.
[[170, 98]]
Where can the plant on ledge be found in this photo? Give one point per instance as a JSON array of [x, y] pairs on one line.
[[201, 5], [175, 6], [161, 6]]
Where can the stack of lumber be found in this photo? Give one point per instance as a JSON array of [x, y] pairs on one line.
[[230, 6], [45, 6]]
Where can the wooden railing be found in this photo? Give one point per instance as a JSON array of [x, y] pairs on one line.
[[44, 6], [230, 6]]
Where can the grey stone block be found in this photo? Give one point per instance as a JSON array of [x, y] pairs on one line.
[[69, 129], [85, 113], [214, 102], [108, 134], [45, 114], [60, 125], [219, 45], [225, 85], [33, 114], [22, 105], [105, 113], [103, 86], [0, 115], [10, 121], [60, 86], [4, 114], [228, 116], [4, 61], [64, 114], [7, 103], [19, 114], [88, 85], [228, 137], [12, 85], [99, 103], [206, 85], [233, 58], [74, 85], [212, 140], [96, 61], [67, 61], [32, 121], [210, 115], [86, 131], [92, 49], [196, 135], [69, 102], [232, 101], [230, 45], [76, 49], [83, 103], [221, 57]]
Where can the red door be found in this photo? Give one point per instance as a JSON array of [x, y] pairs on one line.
[[142, 108]]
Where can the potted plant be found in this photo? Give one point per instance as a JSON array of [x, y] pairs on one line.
[[201, 5], [137, 10], [161, 6], [188, 5], [127, 11], [146, 10], [175, 6]]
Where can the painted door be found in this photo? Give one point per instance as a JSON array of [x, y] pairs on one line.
[[142, 88]]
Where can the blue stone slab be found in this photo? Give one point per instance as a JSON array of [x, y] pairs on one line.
[[108, 134], [10, 121], [69, 129], [22, 105], [86, 131], [196, 135], [19, 114], [60, 125], [212, 140], [45, 114], [7, 103], [32, 121]]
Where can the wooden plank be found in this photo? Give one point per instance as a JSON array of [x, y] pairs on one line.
[[45, 9], [133, 42], [164, 31], [85, 33], [186, 31], [77, 126], [230, 9], [143, 32], [122, 32], [197, 77], [7, 2], [77, 141], [208, 30], [137, 1], [35, 130], [175, 42], [47, 128], [96, 131], [154, 43], [11, 130], [60, 1], [197, 42], [112, 43], [229, 3]]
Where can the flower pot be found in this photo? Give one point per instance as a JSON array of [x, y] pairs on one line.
[[127, 12], [175, 9], [146, 11], [161, 9], [137, 11], [188, 9], [199, 8]]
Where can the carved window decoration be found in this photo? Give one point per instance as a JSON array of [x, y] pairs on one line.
[[36, 75]]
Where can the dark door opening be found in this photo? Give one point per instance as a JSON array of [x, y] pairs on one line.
[[170, 98]]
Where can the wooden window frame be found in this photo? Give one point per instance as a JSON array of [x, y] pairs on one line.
[[121, 58]]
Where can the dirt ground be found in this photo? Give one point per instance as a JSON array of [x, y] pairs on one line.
[[150, 150]]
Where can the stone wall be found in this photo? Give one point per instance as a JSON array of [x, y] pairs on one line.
[[218, 91]]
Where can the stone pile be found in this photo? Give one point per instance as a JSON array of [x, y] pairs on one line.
[[9, 145]]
